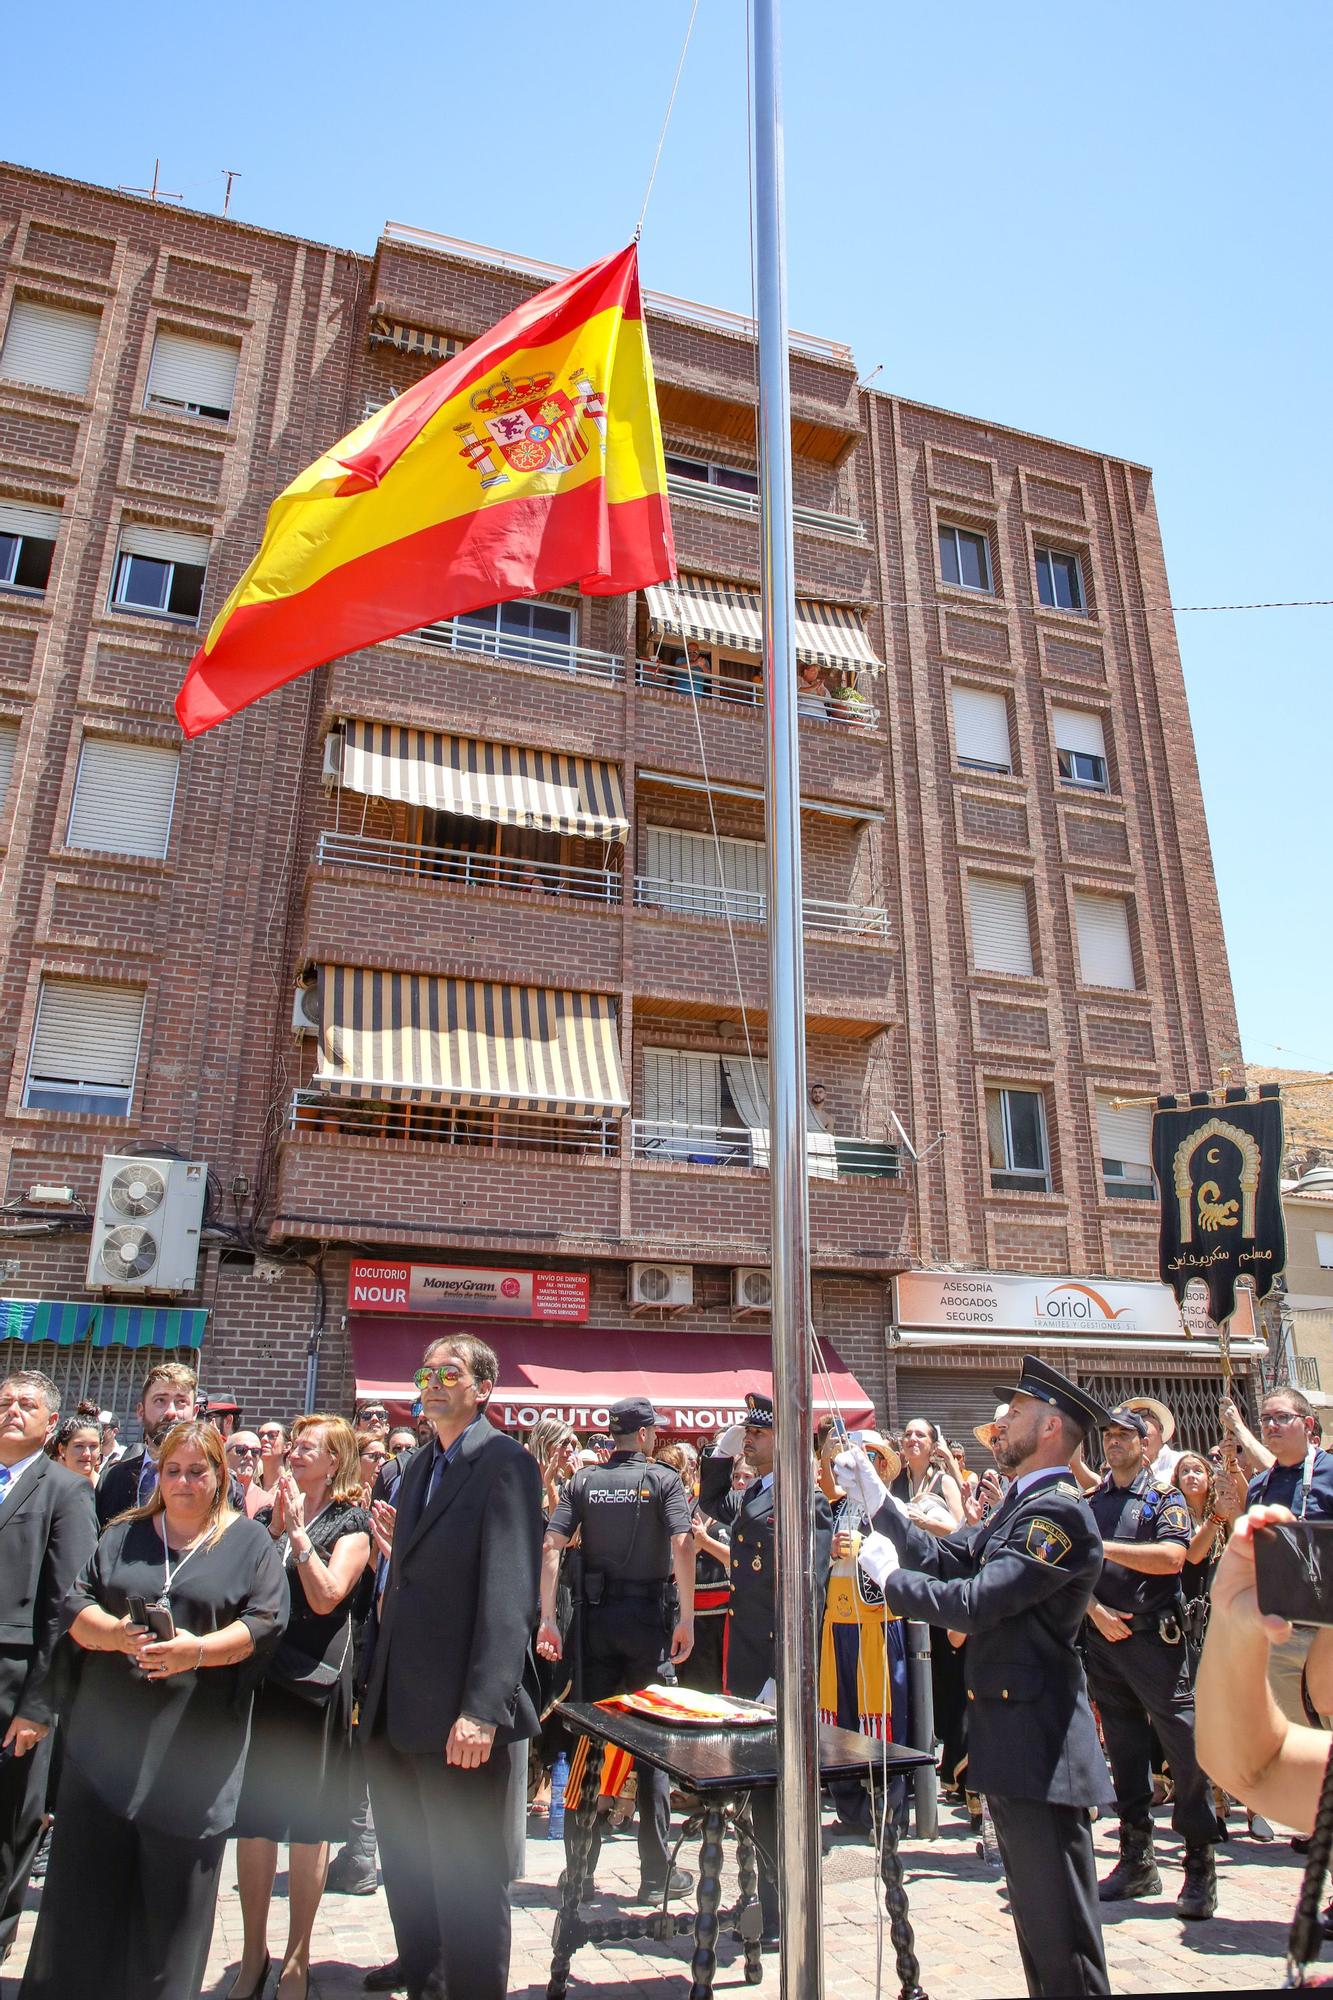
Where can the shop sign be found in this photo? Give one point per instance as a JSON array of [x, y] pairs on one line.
[[470, 1291], [519, 1410], [961, 1300]]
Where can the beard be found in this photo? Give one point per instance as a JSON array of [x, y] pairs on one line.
[[1009, 1452]]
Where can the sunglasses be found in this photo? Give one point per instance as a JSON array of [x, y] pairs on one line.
[[448, 1377], [244, 1451]]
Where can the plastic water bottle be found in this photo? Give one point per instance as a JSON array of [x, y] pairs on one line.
[[555, 1825]]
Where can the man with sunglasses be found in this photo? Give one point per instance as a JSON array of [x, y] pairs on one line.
[[1301, 1477], [450, 1688]]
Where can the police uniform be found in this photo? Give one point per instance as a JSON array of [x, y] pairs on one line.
[[1142, 1683], [1019, 1584], [626, 1513]]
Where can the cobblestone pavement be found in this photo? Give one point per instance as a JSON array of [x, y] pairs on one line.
[[964, 1938]]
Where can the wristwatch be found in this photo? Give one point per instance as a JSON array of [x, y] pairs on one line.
[[303, 1555]]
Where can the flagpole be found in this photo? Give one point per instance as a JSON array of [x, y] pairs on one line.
[[798, 1828]]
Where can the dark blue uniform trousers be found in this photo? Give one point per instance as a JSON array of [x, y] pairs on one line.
[[1051, 1876], [624, 1639], [1141, 1683]]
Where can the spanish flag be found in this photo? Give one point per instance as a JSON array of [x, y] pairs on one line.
[[529, 462]]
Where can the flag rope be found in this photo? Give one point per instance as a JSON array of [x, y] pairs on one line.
[[661, 137]]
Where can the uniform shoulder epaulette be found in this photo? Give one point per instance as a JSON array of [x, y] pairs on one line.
[[1064, 1486]]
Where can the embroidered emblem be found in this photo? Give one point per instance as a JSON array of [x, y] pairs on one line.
[[1047, 1543]]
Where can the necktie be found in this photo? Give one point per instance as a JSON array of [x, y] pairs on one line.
[[147, 1480], [5, 1476]]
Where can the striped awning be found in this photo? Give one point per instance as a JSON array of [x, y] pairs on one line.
[[68, 1321], [412, 1038], [715, 614], [506, 783], [386, 332]]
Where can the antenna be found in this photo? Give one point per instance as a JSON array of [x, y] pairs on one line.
[[154, 193], [233, 174], [876, 370]]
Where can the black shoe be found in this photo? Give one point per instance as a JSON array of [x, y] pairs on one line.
[[678, 1883], [1135, 1874], [1300, 1843], [37, 1873], [1198, 1892], [350, 1875], [387, 1978]]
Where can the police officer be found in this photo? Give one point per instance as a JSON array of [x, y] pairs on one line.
[[1019, 1584], [634, 1521], [749, 1655], [1138, 1671]]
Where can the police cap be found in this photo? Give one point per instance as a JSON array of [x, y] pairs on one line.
[[758, 1412], [1126, 1418], [631, 1414], [1047, 1385]]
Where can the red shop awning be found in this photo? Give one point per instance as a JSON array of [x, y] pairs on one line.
[[698, 1381]]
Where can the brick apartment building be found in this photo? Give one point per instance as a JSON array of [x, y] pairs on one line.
[[451, 954]]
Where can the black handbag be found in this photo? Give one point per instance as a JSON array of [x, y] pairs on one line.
[[315, 1681]]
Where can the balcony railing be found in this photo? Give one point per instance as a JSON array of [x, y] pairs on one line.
[[1307, 1371], [583, 662], [495, 1132], [828, 1157], [461, 867], [680, 487], [855, 713], [750, 906]]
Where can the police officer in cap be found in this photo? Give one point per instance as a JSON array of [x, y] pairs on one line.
[[1138, 1670], [749, 1658], [634, 1521], [1019, 1585]]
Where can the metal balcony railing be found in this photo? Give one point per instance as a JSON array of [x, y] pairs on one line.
[[1307, 1371], [664, 1141], [845, 526], [742, 693], [494, 1132], [750, 906], [583, 662], [462, 868]]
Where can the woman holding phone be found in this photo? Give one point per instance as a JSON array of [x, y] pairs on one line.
[[155, 1740]]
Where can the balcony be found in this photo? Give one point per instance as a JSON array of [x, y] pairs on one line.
[[463, 868], [749, 906], [828, 1157], [582, 662], [844, 526], [846, 707]]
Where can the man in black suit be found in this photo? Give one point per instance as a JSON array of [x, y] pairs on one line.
[[167, 1398], [47, 1532], [452, 1680], [1019, 1584]]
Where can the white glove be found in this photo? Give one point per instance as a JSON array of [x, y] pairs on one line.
[[878, 1558], [859, 1479], [730, 1442]]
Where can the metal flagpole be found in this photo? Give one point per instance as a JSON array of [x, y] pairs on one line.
[[793, 1486]]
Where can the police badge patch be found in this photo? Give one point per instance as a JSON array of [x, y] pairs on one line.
[[1047, 1543]]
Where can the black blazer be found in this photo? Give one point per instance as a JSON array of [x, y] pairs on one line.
[[48, 1530], [752, 1612], [460, 1606], [1019, 1586]]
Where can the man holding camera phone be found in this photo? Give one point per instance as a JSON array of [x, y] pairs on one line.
[[1301, 1478]]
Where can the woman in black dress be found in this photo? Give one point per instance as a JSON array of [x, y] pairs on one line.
[[298, 1776], [155, 1739]]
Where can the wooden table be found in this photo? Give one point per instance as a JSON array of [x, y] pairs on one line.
[[722, 1767]]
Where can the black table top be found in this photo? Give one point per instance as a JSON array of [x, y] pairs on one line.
[[735, 1760]]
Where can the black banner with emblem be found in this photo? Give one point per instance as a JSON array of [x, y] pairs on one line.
[[1218, 1169]]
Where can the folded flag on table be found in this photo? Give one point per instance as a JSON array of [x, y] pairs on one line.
[[530, 461]]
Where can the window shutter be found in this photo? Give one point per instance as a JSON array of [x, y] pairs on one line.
[[981, 726], [187, 369], [138, 538], [22, 518], [681, 1089], [1323, 1248], [1126, 1135], [123, 796], [1106, 955], [9, 736], [1001, 933], [50, 347], [694, 861], [87, 1034], [1076, 729]]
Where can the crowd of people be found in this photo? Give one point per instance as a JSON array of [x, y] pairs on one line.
[[345, 1637]]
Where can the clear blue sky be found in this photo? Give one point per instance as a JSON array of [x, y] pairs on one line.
[[1107, 224]]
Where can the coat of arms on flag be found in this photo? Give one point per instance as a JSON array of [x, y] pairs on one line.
[[535, 426]]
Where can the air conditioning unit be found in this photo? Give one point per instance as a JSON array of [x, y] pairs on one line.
[[751, 1289], [305, 1011], [661, 1287], [146, 1224], [333, 758]]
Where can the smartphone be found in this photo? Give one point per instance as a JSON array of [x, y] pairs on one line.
[[1293, 1567], [157, 1617]]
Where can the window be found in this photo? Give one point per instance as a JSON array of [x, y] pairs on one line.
[[49, 347], [1124, 1137], [1060, 580], [1001, 931], [192, 374], [123, 796], [160, 571], [965, 558], [690, 873], [682, 1103], [523, 630], [1080, 748], [1105, 949], [1016, 1139], [981, 729], [9, 739], [1323, 1248], [704, 472], [85, 1048], [27, 544]]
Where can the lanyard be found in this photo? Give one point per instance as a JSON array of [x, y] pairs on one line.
[[169, 1574], [1302, 1484]]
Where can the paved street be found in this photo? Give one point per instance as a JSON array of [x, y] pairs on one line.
[[964, 1938]]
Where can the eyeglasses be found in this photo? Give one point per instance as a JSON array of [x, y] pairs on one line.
[[373, 1410], [1279, 1419], [244, 1451], [448, 1377], [267, 1437]]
